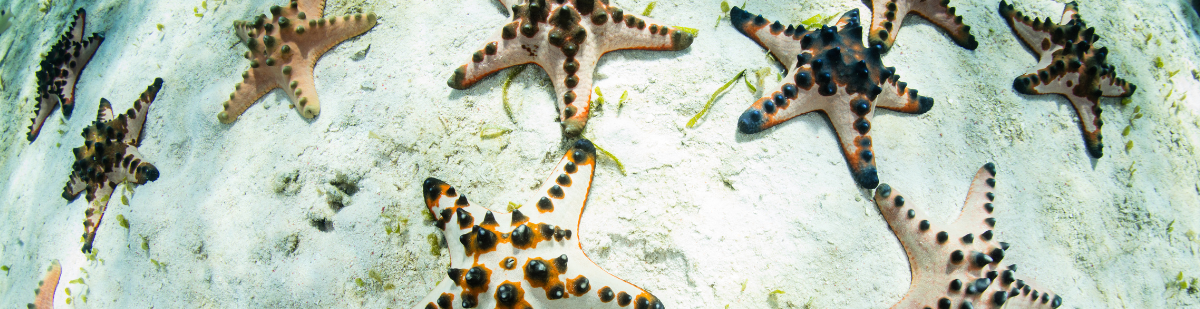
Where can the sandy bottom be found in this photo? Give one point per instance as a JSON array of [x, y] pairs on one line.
[[705, 217]]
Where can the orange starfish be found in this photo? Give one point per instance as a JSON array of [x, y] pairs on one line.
[[952, 267], [566, 38], [283, 51], [888, 15], [109, 156], [59, 72], [46, 288]]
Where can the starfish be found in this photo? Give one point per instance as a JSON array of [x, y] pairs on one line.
[[526, 260], [283, 50], [109, 156], [60, 70], [45, 292], [566, 38], [889, 14], [833, 73], [1070, 66], [952, 271]]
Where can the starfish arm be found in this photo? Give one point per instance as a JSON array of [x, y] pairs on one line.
[[896, 96], [47, 287], [256, 82], [853, 132], [1034, 33], [321, 34], [504, 49], [95, 212], [1111, 86], [959, 263], [314, 8], [85, 50], [523, 259], [768, 111], [74, 186], [136, 116], [131, 167], [637, 32], [45, 107], [105, 113], [772, 36], [889, 14], [574, 93]]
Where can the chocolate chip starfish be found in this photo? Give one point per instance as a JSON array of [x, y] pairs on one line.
[[952, 266], [888, 15], [526, 259], [60, 69], [109, 156], [566, 38], [283, 50], [829, 71], [1070, 66]]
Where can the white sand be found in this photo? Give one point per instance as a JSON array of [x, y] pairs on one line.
[[706, 217]]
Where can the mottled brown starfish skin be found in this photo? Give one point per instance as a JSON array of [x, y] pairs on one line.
[[46, 288], [566, 38], [829, 71], [958, 266], [109, 156], [1070, 66], [530, 258], [60, 70], [888, 15], [283, 50]]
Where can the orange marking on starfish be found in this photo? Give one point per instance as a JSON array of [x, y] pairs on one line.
[[283, 50], [566, 38]]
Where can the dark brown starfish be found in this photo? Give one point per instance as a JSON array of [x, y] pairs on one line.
[[888, 15], [109, 156], [830, 71], [60, 70], [952, 266], [566, 38], [283, 50], [1070, 66]]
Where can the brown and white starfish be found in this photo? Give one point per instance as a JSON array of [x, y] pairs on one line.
[[566, 38], [1070, 65], [958, 266], [526, 259], [283, 50], [60, 69], [829, 71], [45, 291], [109, 156], [888, 15]]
